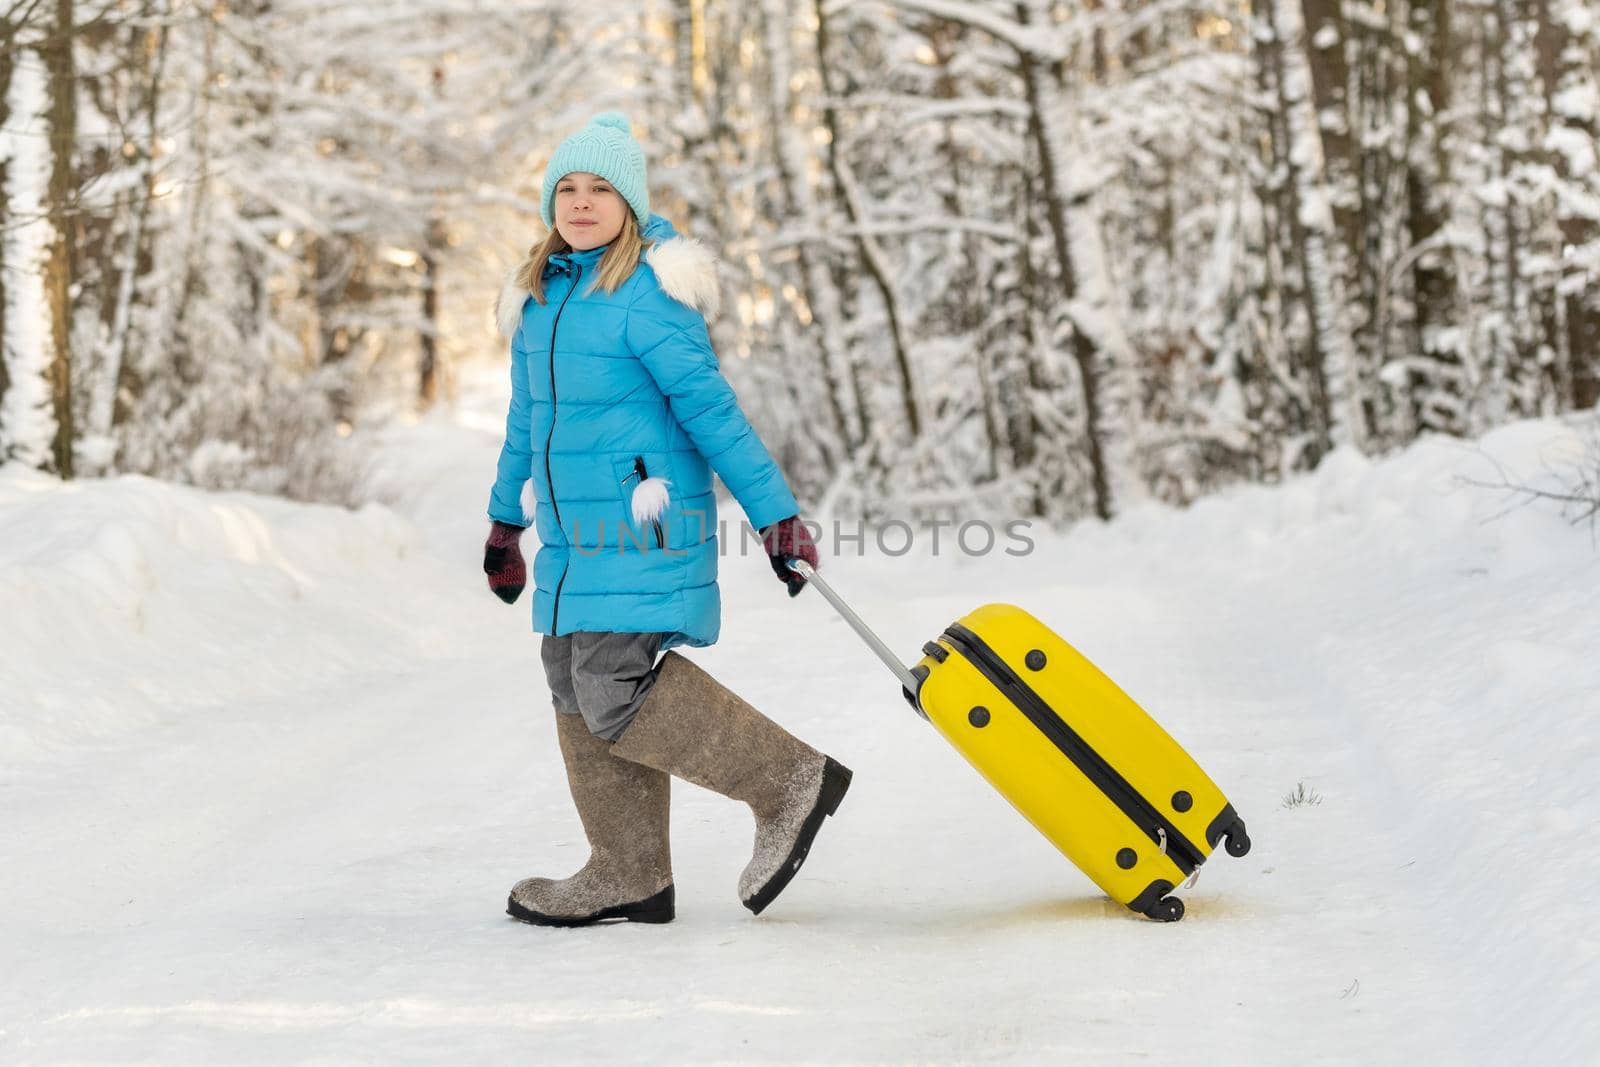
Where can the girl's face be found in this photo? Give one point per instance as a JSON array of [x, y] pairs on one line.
[[589, 213]]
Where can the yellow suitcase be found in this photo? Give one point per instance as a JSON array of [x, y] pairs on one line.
[[1076, 756], [1070, 750]]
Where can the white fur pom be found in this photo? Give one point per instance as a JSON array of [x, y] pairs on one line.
[[529, 504], [687, 272], [508, 307], [649, 500]]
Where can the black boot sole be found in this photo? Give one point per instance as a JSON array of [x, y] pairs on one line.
[[835, 781], [660, 908]]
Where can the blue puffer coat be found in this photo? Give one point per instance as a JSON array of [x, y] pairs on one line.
[[611, 391]]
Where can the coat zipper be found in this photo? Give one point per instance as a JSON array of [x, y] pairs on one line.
[[638, 468], [1094, 766], [549, 478]]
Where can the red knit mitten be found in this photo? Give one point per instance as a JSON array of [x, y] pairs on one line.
[[789, 539], [502, 562]]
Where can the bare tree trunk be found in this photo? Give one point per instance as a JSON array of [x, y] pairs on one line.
[[1519, 361], [434, 247], [1437, 391], [169, 343], [1027, 429], [1306, 213], [1349, 60], [152, 49], [28, 429], [966, 318], [1340, 112], [1385, 131], [1547, 233], [825, 329], [59, 267], [1567, 67], [871, 255], [10, 24], [1084, 350], [701, 124], [428, 366], [707, 189]]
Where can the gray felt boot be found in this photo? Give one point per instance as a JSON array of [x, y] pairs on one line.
[[624, 808], [693, 727]]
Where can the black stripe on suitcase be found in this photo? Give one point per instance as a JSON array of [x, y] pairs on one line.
[[1118, 789]]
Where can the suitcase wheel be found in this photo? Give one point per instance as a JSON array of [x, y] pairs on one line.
[[1228, 829], [1165, 910], [1238, 841]]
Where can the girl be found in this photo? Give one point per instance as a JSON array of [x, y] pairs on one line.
[[618, 417]]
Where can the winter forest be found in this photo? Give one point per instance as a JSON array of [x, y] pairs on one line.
[[1049, 257], [1274, 323]]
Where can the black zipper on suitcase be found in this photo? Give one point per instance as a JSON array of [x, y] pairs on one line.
[[1094, 766]]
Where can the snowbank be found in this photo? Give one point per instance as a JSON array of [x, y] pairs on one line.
[[271, 767], [130, 602]]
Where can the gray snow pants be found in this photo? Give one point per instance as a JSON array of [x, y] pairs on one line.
[[602, 676]]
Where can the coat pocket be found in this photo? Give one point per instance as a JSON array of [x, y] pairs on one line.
[[644, 498]]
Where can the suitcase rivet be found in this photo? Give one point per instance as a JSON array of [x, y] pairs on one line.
[[979, 716], [1127, 858], [1034, 660], [1182, 801]]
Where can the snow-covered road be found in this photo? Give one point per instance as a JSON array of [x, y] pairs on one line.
[[267, 771]]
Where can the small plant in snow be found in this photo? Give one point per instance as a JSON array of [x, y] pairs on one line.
[[1300, 796], [1574, 484]]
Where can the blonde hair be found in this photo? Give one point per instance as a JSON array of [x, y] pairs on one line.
[[616, 266]]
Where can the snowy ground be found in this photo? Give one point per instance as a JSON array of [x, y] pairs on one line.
[[267, 771]]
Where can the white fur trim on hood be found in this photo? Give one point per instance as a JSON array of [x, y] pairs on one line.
[[685, 268], [508, 305], [687, 272]]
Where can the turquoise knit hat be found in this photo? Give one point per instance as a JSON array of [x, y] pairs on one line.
[[607, 148]]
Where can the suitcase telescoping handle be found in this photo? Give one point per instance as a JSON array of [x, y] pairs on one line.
[[909, 681]]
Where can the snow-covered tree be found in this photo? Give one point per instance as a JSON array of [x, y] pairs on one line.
[[1020, 255]]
